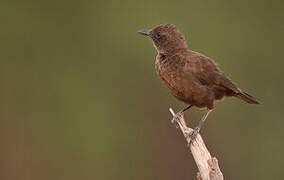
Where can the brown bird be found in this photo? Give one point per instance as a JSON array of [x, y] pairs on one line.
[[190, 76]]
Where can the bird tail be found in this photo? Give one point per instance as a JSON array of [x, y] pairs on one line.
[[247, 98]]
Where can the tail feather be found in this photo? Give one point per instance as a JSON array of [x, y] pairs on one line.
[[247, 98]]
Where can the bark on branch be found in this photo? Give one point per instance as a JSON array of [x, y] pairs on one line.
[[208, 166]]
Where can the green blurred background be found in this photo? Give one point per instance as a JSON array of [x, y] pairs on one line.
[[79, 96]]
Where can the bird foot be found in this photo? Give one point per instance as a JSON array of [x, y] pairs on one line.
[[193, 135], [176, 118]]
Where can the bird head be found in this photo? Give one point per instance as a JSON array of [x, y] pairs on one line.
[[166, 38]]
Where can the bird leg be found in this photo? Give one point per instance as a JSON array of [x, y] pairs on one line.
[[179, 114], [196, 130]]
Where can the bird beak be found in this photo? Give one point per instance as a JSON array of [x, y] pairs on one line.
[[145, 32]]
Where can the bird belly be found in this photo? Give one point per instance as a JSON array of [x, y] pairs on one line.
[[184, 88], [187, 91]]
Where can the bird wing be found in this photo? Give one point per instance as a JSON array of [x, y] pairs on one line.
[[207, 73]]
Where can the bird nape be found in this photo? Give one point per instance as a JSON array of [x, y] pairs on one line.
[[191, 77]]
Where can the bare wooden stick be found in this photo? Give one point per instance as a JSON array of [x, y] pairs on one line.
[[208, 166]]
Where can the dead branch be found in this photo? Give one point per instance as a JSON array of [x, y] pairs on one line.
[[208, 166]]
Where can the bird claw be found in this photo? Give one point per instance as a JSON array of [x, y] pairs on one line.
[[176, 118], [193, 135]]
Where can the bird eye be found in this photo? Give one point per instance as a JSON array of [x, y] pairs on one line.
[[158, 35]]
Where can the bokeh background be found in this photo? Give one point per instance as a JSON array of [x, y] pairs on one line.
[[80, 99]]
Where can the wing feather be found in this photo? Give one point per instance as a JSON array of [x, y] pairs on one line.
[[208, 73]]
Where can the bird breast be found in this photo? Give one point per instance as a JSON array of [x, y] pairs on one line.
[[171, 73]]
